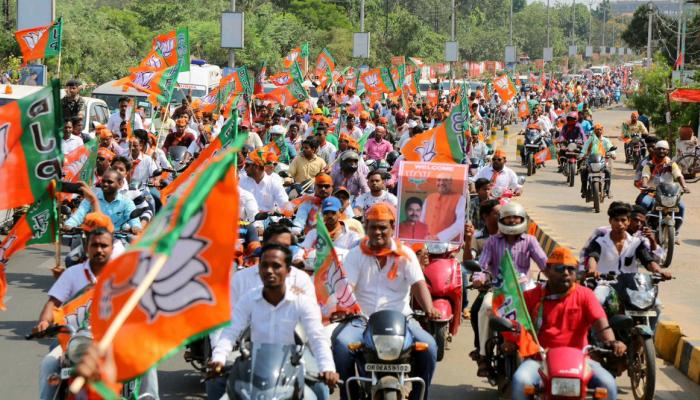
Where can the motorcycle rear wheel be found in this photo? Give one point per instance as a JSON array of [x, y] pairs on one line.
[[595, 193], [530, 164], [642, 367]]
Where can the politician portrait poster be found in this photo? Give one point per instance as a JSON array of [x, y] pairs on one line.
[[433, 200]]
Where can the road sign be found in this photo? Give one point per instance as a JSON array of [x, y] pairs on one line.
[[360, 44]]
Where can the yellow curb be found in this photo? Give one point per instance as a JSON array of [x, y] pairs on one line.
[[688, 357], [668, 334]]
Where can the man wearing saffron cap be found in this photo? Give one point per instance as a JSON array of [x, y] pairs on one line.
[[384, 274], [444, 211], [305, 219], [500, 175]]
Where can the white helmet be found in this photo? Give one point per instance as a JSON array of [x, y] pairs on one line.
[[662, 144], [508, 210], [277, 130]]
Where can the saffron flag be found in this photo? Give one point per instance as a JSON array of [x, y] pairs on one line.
[[378, 80], [523, 109], [30, 146], [333, 291], [196, 230], [73, 313], [287, 95], [432, 97], [293, 56], [543, 155], [40, 42], [38, 225], [325, 65], [444, 143], [260, 79], [504, 87], [154, 59], [175, 48], [80, 163], [228, 138], [159, 84], [508, 302], [281, 79]]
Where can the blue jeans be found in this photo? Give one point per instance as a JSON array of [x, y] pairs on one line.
[[423, 363], [527, 374], [647, 201]]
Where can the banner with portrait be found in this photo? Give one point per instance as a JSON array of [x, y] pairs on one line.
[[433, 200]]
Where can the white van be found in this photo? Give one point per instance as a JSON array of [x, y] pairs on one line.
[[198, 82], [16, 92], [599, 70]]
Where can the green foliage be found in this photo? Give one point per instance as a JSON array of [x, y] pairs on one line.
[[651, 100]]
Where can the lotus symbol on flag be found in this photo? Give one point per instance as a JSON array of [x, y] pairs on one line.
[[501, 83], [40, 223], [154, 62], [77, 318], [292, 55], [4, 133], [177, 286], [32, 38], [166, 47], [427, 150], [282, 80], [143, 79], [9, 241], [372, 80]]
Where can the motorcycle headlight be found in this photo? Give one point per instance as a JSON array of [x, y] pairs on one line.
[[566, 387], [388, 346], [641, 299], [77, 346], [666, 201], [572, 147], [596, 167]]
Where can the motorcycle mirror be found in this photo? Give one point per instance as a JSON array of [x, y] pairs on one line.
[[65, 210], [137, 212], [283, 174], [500, 324], [471, 265], [261, 216], [521, 179], [612, 148], [157, 172]]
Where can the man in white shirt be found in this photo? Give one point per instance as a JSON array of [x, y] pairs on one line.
[[377, 194], [248, 205], [343, 238], [69, 284], [267, 192], [70, 141], [384, 274], [119, 116], [272, 313], [143, 165], [500, 175]]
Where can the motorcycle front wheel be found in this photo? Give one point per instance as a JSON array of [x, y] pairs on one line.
[[595, 193], [667, 240], [530, 164], [642, 367], [572, 174]]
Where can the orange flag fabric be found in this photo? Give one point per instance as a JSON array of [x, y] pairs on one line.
[[504, 87], [523, 109], [40, 42], [197, 231]]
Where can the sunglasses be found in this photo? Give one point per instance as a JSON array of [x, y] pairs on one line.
[[101, 158], [498, 159], [561, 268]]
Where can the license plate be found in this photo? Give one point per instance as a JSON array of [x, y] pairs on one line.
[[66, 373], [634, 313], [674, 209], [596, 174], [532, 145], [405, 368]]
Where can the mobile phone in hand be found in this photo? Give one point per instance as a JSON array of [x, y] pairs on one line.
[[70, 187]]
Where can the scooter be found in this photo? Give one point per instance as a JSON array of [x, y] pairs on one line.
[[444, 278], [387, 348]]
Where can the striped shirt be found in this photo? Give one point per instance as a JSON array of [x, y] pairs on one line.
[[523, 250]]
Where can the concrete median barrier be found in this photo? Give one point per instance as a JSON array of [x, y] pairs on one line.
[[688, 357]]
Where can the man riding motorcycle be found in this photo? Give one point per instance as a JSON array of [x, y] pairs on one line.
[[632, 127], [512, 226], [596, 144], [384, 273], [563, 313], [570, 132]]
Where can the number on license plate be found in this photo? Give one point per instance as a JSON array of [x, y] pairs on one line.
[[405, 368], [66, 373]]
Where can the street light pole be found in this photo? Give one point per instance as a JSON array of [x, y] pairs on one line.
[[651, 17], [547, 23], [590, 21], [362, 16], [231, 52], [510, 39]]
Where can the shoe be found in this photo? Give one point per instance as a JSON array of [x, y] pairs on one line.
[[583, 195], [484, 367], [678, 241]]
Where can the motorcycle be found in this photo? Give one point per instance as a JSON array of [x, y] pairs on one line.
[[597, 185], [502, 364], [80, 340], [664, 218], [630, 303], [565, 376], [178, 158], [570, 162], [269, 371], [444, 278], [387, 348], [534, 142], [635, 150]]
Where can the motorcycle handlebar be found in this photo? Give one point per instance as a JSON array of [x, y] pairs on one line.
[[48, 332]]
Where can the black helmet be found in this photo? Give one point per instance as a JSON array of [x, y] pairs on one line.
[[392, 157]]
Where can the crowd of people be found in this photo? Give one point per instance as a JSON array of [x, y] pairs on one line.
[[340, 157]]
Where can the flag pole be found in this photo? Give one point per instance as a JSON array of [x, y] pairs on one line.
[[57, 242], [123, 314], [58, 66]]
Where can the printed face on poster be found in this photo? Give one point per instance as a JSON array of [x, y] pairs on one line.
[[432, 202]]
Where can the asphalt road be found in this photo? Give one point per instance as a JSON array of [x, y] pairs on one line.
[[555, 206]]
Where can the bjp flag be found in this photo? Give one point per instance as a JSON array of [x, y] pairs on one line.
[[175, 48], [154, 59], [378, 80], [523, 109], [293, 56], [30, 147], [195, 232], [159, 84], [504, 87], [432, 97], [73, 313], [281, 79], [38, 225], [40, 42]]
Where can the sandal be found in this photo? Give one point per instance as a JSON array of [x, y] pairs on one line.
[[484, 367], [474, 355]]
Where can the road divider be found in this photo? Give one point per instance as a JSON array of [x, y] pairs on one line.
[[672, 346]]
